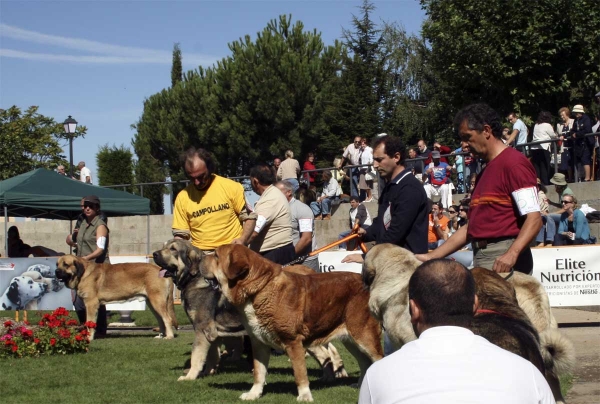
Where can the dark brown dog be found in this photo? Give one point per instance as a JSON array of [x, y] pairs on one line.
[[285, 310], [104, 283]]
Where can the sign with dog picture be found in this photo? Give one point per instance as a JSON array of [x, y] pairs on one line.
[[30, 284], [570, 275]]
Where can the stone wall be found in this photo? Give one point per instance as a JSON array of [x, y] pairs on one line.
[[128, 235]]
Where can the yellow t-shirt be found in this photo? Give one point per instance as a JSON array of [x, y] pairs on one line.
[[211, 215]]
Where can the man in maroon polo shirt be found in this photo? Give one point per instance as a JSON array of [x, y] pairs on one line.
[[504, 213]]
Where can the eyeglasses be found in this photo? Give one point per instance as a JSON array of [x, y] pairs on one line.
[[451, 211], [565, 202], [88, 205]]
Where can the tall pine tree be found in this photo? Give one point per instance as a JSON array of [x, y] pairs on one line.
[[177, 66]]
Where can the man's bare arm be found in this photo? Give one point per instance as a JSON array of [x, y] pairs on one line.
[[512, 136], [305, 241], [453, 244]]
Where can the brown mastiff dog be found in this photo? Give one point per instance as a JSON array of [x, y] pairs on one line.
[[285, 310], [104, 283], [214, 318]]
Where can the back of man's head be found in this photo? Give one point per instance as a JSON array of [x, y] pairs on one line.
[[263, 173], [444, 291]]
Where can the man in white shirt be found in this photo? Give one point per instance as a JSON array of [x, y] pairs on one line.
[[331, 192], [519, 132], [85, 175], [448, 363], [303, 226], [351, 156]]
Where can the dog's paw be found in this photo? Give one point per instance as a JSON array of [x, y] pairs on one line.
[[306, 396], [186, 377], [341, 372], [249, 396], [159, 336]]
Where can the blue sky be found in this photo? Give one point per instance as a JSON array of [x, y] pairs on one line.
[[99, 60]]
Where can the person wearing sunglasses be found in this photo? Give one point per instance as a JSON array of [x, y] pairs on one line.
[[72, 238], [453, 219], [92, 245], [573, 228]]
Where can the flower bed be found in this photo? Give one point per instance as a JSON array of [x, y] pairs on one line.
[[55, 333]]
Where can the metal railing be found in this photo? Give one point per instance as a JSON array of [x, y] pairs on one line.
[[348, 168]]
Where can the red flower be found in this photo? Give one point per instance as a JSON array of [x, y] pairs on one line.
[[61, 311], [27, 333], [8, 324], [52, 341], [79, 338], [41, 323], [26, 322], [15, 348], [36, 340], [72, 322], [8, 342], [90, 324], [64, 333], [84, 332]]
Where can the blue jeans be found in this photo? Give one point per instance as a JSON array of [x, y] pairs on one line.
[[547, 231], [323, 208], [460, 183]]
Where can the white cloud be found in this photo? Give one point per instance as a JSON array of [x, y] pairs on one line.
[[111, 54]]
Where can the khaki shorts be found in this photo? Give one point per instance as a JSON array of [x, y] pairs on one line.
[[485, 257]]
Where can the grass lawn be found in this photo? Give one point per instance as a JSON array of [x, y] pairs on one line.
[[135, 368]]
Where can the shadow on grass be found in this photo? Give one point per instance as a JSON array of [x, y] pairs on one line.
[[284, 387]]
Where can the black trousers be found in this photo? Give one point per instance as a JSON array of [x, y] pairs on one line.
[[101, 323], [540, 159], [282, 255]]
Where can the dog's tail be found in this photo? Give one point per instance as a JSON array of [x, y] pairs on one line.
[[558, 352]]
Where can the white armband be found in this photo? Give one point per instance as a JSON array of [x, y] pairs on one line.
[[101, 242], [260, 222], [526, 200], [305, 225]]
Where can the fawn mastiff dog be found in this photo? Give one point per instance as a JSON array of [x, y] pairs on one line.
[[513, 314], [286, 310], [213, 317], [104, 283]]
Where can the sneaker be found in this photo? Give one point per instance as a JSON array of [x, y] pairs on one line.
[[368, 200]]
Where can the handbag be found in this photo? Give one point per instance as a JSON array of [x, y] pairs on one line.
[[371, 175]]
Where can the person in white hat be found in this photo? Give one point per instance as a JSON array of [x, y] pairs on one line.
[[582, 145]]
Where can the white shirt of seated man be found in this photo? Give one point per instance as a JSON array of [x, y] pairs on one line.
[[450, 364]]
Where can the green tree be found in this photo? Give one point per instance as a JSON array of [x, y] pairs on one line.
[[115, 166], [258, 102], [539, 57], [30, 140], [177, 66]]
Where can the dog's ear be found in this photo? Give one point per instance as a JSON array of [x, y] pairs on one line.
[[13, 293], [239, 261], [194, 257], [80, 267]]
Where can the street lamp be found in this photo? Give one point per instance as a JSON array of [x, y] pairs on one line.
[[70, 125]]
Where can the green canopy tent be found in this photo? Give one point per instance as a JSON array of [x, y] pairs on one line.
[[46, 194]]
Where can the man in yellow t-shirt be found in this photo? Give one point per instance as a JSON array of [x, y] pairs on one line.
[[210, 211], [438, 226]]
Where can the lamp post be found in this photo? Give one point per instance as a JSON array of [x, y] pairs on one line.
[[70, 125]]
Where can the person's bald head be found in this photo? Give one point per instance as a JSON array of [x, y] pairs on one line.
[[441, 292]]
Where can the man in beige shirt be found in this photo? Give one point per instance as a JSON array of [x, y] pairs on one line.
[[289, 170], [272, 235]]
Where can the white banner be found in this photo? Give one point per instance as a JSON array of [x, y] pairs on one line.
[[570, 275], [136, 303], [331, 261]]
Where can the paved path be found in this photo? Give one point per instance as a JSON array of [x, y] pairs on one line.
[[586, 339]]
